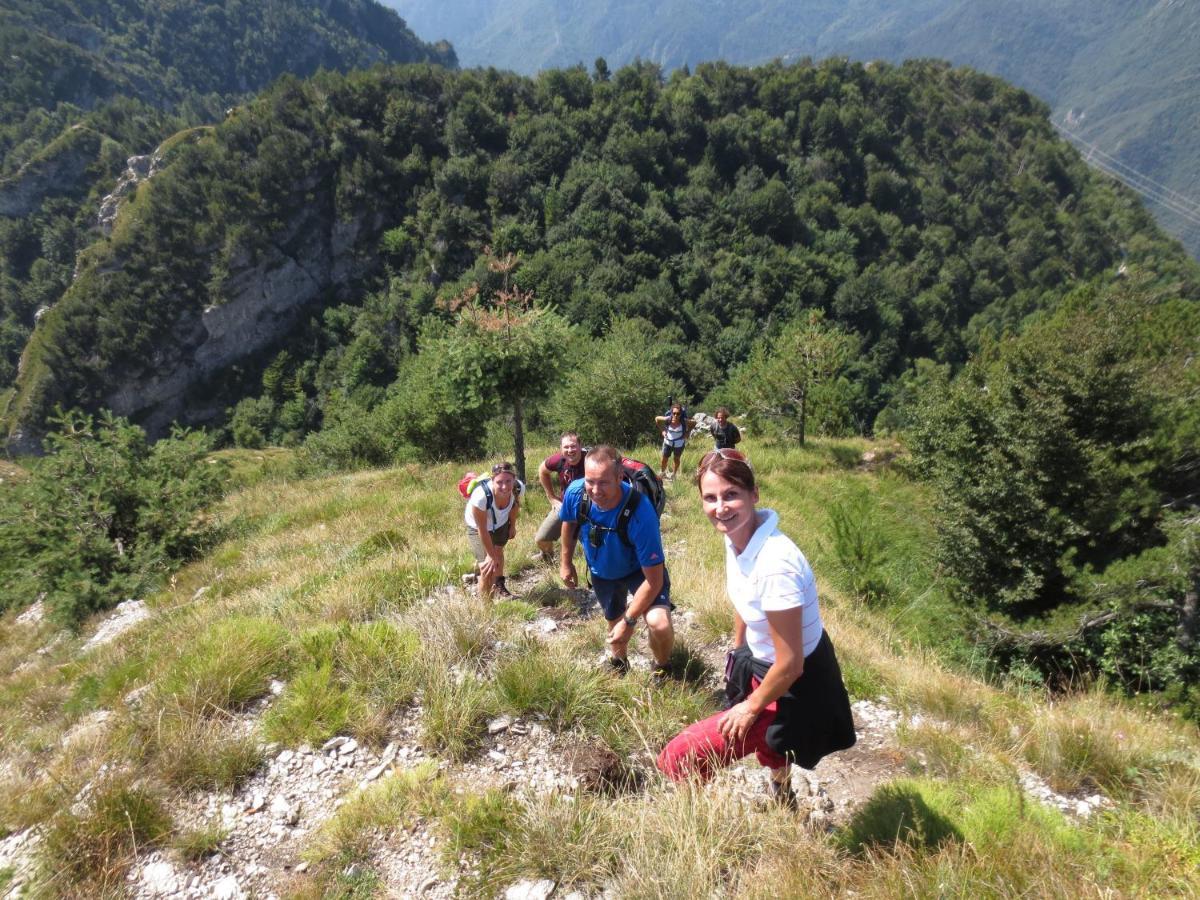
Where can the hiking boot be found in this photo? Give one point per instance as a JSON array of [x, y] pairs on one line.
[[660, 673], [469, 578], [618, 665], [501, 589], [781, 793], [540, 556]]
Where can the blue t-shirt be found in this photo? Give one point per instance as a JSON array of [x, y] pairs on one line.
[[613, 559]]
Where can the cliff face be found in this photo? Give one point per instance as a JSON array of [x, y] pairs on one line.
[[311, 260], [59, 171]]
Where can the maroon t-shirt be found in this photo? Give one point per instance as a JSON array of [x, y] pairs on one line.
[[566, 472]]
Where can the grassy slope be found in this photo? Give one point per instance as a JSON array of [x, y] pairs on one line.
[[323, 583]]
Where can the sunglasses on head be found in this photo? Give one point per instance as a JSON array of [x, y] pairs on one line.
[[503, 467], [724, 453]]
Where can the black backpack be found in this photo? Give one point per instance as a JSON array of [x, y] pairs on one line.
[[646, 485]]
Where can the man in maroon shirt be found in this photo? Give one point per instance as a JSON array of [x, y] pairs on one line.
[[563, 467]]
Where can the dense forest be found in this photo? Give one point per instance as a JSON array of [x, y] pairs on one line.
[[921, 208], [1119, 75], [85, 84]]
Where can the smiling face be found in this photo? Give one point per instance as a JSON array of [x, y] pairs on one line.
[[571, 448], [502, 487], [721, 417], [730, 508], [602, 481]]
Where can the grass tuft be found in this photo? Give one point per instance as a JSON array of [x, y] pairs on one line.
[[95, 846]]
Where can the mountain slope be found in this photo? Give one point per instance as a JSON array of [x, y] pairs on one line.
[[85, 84], [921, 208], [1125, 72]]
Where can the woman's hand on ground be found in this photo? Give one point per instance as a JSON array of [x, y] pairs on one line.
[[735, 724]]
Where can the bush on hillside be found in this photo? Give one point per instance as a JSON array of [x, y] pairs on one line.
[[615, 387], [103, 514], [1056, 456]]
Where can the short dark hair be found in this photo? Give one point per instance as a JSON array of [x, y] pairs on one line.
[[567, 434]]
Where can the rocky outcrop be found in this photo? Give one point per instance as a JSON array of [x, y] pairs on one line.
[[312, 260], [137, 170], [61, 170]]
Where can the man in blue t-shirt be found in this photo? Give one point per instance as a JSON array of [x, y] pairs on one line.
[[619, 569]]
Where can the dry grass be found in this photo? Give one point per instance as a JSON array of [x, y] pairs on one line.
[[329, 585]]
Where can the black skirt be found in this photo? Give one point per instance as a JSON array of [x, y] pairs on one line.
[[812, 717]]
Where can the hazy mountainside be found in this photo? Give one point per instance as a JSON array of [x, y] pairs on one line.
[[84, 51], [85, 84], [920, 207], [1124, 72]]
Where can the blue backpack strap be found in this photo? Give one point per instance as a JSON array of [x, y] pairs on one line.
[[491, 505]]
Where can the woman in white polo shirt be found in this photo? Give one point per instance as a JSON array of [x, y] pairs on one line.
[[787, 702]]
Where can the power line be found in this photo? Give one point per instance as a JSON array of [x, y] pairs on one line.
[[1171, 200]]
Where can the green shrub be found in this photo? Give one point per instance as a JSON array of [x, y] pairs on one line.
[[615, 387], [103, 515]]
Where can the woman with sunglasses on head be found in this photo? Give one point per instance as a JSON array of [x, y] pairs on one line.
[[787, 702], [491, 519]]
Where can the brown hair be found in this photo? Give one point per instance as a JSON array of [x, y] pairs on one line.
[[723, 409], [734, 469]]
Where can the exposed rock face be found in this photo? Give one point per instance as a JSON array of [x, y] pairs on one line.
[[313, 259], [60, 171], [137, 170]]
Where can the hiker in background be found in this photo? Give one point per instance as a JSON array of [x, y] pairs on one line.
[[491, 518], [725, 434], [786, 700], [563, 467], [618, 527], [675, 427]]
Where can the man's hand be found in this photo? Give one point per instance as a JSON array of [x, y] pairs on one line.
[[491, 566], [620, 633], [569, 576]]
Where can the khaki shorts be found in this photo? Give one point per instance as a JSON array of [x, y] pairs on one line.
[[551, 527], [499, 538]]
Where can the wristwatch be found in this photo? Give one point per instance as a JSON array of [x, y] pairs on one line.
[[630, 621]]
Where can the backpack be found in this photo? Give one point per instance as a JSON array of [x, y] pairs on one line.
[[645, 484]]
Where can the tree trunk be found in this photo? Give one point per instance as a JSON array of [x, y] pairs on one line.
[[519, 438], [803, 414]]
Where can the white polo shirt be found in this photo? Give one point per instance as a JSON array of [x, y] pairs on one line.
[[771, 574]]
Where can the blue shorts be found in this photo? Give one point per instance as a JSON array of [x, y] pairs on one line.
[[613, 593]]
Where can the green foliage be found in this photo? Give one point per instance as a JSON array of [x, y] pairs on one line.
[[779, 383], [928, 208], [104, 514], [1053, 471], [614, 387], [859, 545], [1047, 462], [95, 847]]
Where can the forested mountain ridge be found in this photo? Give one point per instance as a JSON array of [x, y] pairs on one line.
[[83, 52], [1123, 73], [85, 84], [309, 236]]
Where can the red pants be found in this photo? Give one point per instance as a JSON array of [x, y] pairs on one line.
[[700, 748]]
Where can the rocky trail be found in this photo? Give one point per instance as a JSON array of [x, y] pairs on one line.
[[270, 820]]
